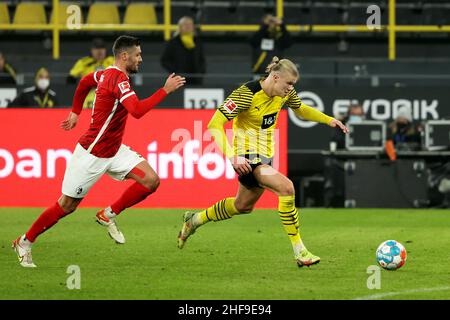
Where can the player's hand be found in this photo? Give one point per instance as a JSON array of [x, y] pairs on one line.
[[336, 123], [70, 122], [174, 82], [241, 165]]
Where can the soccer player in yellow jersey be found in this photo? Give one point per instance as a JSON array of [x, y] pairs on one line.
[[254, 108]]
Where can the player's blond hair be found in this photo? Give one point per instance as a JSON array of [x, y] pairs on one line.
[[283, 65]]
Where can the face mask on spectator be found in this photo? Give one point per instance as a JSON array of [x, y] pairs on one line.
[[355, 119], [43, 83]]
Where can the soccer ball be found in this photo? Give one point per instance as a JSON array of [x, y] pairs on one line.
[[391, 255]]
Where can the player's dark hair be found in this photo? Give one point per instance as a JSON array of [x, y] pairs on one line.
[[123, 43]]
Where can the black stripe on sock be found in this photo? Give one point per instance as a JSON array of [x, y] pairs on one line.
[[291, 216], [285, 212], [289, 224], [224, 210], [288, 216], [217, 210]]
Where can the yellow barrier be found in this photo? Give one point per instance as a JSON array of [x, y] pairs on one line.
[[167, 27], [280, 8], [391, 30], [167, 19], [56, 29]]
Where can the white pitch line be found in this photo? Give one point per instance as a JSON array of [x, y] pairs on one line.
[[389, 294]]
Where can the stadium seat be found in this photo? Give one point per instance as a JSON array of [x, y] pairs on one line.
[[30, 13], [63, 15], [4, 14], [140, 13], [103, 13]]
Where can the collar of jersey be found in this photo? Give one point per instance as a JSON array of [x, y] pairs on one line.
[[114, 67]]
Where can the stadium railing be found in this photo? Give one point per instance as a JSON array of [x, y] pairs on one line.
[[167, 27]]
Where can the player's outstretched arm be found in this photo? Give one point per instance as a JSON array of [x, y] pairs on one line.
[[306, 112], [138, 108], [312, 114]]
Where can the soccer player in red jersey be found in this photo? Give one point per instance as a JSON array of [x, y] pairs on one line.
[[100, 149]]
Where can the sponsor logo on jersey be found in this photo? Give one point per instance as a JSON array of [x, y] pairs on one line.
[[230, 106], [268, 120], [124, 87]]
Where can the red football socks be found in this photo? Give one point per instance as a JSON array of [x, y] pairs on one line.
[[45, 221], [134, 194]]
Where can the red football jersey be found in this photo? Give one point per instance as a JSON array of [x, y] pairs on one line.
[[109, 116]]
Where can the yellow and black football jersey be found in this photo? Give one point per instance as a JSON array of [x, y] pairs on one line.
[[254, 116]]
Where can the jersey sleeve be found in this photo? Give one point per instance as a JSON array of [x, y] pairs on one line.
[[122, 88], [215, 127], [239, 100], [293, 100], [84, 87], [305, 111], [138, 108]]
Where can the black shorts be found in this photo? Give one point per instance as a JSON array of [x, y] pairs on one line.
[[249, 180]]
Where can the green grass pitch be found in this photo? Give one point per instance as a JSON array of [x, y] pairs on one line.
[[247, 257]]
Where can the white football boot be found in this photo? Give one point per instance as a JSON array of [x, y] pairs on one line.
[[187, 230], [110, 223], [23, 253]]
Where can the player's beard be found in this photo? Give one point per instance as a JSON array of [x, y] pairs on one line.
[[133, 70]]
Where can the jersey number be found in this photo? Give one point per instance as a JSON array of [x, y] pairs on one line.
[[268, 120]]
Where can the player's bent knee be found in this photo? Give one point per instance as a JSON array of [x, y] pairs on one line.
[[67, 208], [287, 189], [68, 205], [152, 183], [243, 208]]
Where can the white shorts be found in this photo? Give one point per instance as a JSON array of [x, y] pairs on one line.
[[84, 169]]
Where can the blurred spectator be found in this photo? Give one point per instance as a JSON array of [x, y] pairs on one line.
[[403, 134], [7, 73], [183, 53], [355, 114], [96, 61], [38, 96], [271, 40]]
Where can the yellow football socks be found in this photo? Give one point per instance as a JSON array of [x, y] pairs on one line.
[[222, 210], [289, 217]]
